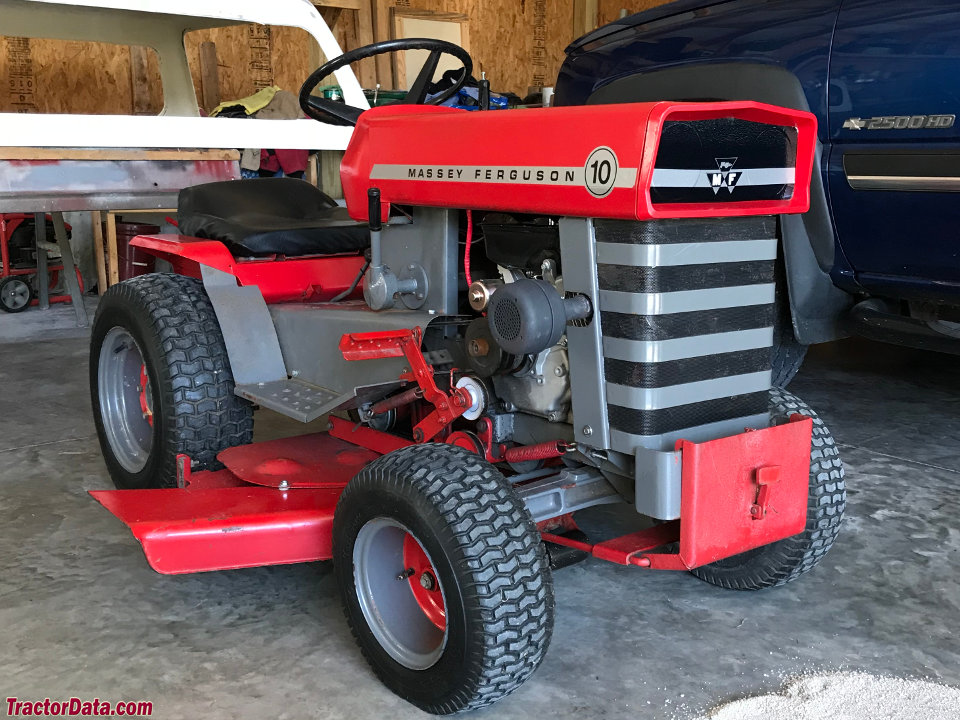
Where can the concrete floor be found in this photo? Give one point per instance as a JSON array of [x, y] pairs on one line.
[[82, 615]]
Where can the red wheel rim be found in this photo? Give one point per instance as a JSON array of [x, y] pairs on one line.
[[144, 403], [424, 582]]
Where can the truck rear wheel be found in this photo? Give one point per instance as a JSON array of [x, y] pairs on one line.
[[785, 560], [160, 381], [445, 582]]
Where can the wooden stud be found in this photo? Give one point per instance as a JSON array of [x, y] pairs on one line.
[[209, 76], [113, 264], [585, 16], [330, 15], [149, 211], [330, 173], [97, 221], [312, 173], [339, 4], [399, 59], [140, 81], [381, 32], [366, 69]]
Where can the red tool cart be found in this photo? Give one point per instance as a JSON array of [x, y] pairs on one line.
[[19, 281]]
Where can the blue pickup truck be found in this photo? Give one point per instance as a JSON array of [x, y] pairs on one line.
[[878, 254]]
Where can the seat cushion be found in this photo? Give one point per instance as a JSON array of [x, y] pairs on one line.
[[267, 216]]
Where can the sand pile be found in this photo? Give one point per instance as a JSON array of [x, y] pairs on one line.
[[847, 696]]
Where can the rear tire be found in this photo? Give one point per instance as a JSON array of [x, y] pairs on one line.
[[483, 549], [785, 560], [160, 381]]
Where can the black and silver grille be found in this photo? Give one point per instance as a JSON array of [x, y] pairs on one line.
[[686, 315]]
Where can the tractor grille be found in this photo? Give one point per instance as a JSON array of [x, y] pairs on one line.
[[686, 316]]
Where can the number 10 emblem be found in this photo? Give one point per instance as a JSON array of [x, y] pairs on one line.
[[601, 172]]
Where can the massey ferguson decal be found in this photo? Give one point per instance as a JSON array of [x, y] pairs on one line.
[[901, 122], [599, 181]]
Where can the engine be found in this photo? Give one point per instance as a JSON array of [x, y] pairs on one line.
[[519, 343]]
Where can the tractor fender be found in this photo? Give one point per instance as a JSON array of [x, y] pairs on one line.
[[297, 279], [808, 240], [187, 254], [248, 332]]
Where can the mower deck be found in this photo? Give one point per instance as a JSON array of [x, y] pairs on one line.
[[244, 516], [274, 503]]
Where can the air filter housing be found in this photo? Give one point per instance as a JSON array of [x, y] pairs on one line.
[[529, 316]]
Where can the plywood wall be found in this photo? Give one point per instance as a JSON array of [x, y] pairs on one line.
[[55, 77], [250, 57], [519, 43], [609, 10]]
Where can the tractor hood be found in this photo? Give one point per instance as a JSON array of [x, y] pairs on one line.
[[634, 161]]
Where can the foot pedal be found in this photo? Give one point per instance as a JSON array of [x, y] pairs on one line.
[[293, 398]]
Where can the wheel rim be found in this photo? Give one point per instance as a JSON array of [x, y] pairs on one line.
[[126, 399], [404, 610], [15, 294]]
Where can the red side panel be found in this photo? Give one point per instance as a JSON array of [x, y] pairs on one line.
[[593, 161], [744, 491]]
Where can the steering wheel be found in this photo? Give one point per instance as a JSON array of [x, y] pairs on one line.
[[337, 113]]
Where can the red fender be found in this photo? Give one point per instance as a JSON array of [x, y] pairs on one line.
[[280, 279]]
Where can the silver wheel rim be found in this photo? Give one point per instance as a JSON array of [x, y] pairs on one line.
[[16, 294], [129, 433], [388, 604]]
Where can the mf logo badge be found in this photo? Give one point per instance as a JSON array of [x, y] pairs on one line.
[[727, 177]]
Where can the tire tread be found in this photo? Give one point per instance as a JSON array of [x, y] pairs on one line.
[[786, 560], [206, 416], [496, 541]]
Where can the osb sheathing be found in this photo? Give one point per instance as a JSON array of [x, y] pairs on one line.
[[518, 43]]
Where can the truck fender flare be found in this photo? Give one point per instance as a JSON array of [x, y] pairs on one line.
[[808, 240]]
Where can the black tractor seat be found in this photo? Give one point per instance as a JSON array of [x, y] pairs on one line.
[[270, 216]]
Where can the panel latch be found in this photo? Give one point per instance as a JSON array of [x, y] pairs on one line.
[[766, 476]]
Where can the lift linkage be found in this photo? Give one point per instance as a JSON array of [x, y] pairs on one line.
[[406, 343]]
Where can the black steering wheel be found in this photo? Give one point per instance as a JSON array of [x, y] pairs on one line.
[[337, 113]]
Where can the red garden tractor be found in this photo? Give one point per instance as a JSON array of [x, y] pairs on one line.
[[519, 315]]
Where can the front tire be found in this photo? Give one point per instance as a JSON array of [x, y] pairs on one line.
[[785, 560], [445, 582], [160, 381], [788, 352]]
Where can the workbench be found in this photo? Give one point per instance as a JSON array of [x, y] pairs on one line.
[[55, 180]]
